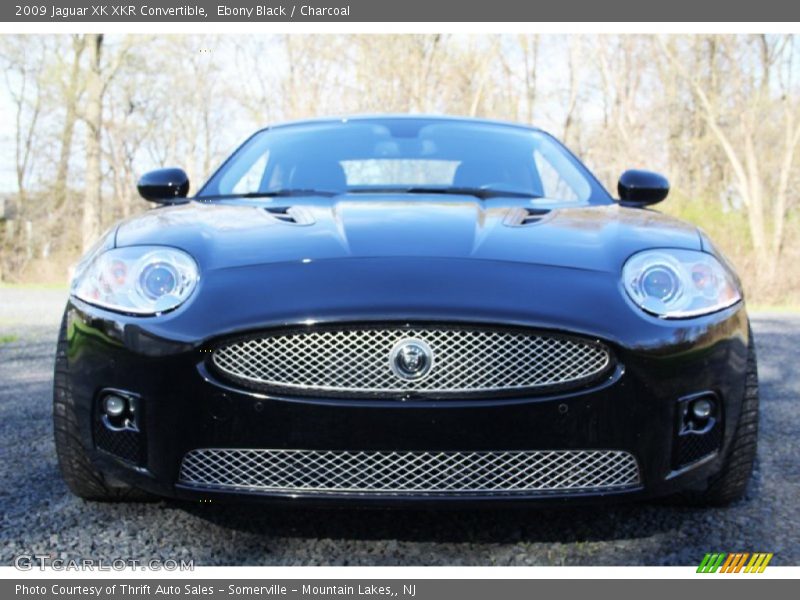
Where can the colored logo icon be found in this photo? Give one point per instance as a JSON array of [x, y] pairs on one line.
[[738, 562]]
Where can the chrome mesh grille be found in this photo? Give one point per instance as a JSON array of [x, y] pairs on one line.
[[439, 473], [358, 360]]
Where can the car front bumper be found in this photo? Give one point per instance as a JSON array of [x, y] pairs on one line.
[[183, 406]]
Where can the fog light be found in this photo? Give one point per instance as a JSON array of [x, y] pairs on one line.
[[114, 406], [701, 409]]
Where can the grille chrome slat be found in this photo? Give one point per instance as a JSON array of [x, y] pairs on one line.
[[356, 360], [410, 472]]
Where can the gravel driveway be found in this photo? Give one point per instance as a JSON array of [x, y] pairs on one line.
[[38, 515]]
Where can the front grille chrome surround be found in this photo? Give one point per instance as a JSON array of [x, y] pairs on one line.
[[449, 473], [357, 360]]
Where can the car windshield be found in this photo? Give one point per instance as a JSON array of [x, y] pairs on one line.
[[404, 155]]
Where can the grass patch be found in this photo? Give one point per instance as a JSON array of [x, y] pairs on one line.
[[8, 338]]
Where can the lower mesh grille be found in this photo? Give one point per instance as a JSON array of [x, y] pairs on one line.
[[437, 473], [124, 443], [691, 447]]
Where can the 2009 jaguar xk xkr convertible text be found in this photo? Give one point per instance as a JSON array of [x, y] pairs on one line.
[[405, 310]]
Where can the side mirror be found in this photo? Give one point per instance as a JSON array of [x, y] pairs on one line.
[[165, 186], [641, 188]]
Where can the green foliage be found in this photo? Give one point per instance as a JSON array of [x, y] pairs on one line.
[[730, 231], [726, 226]]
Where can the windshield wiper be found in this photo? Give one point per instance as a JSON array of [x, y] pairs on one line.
[[284, 193], [479, 192]]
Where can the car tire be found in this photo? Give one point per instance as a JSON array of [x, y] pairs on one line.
[[730, 484], [82, 478]]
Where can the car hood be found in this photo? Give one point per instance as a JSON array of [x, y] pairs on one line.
[[226, 234]]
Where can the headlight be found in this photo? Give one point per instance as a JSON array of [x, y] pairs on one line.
[[144, 280], [676, 284]]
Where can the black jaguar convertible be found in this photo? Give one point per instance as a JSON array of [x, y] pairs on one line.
[[405, 310]]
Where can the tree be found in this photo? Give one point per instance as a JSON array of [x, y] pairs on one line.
[[94, 122], [71, 95], [26, 85], [104, 63], [754, 116]]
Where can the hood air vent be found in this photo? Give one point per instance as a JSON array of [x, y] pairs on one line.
[[520, 217], [294, 215]]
